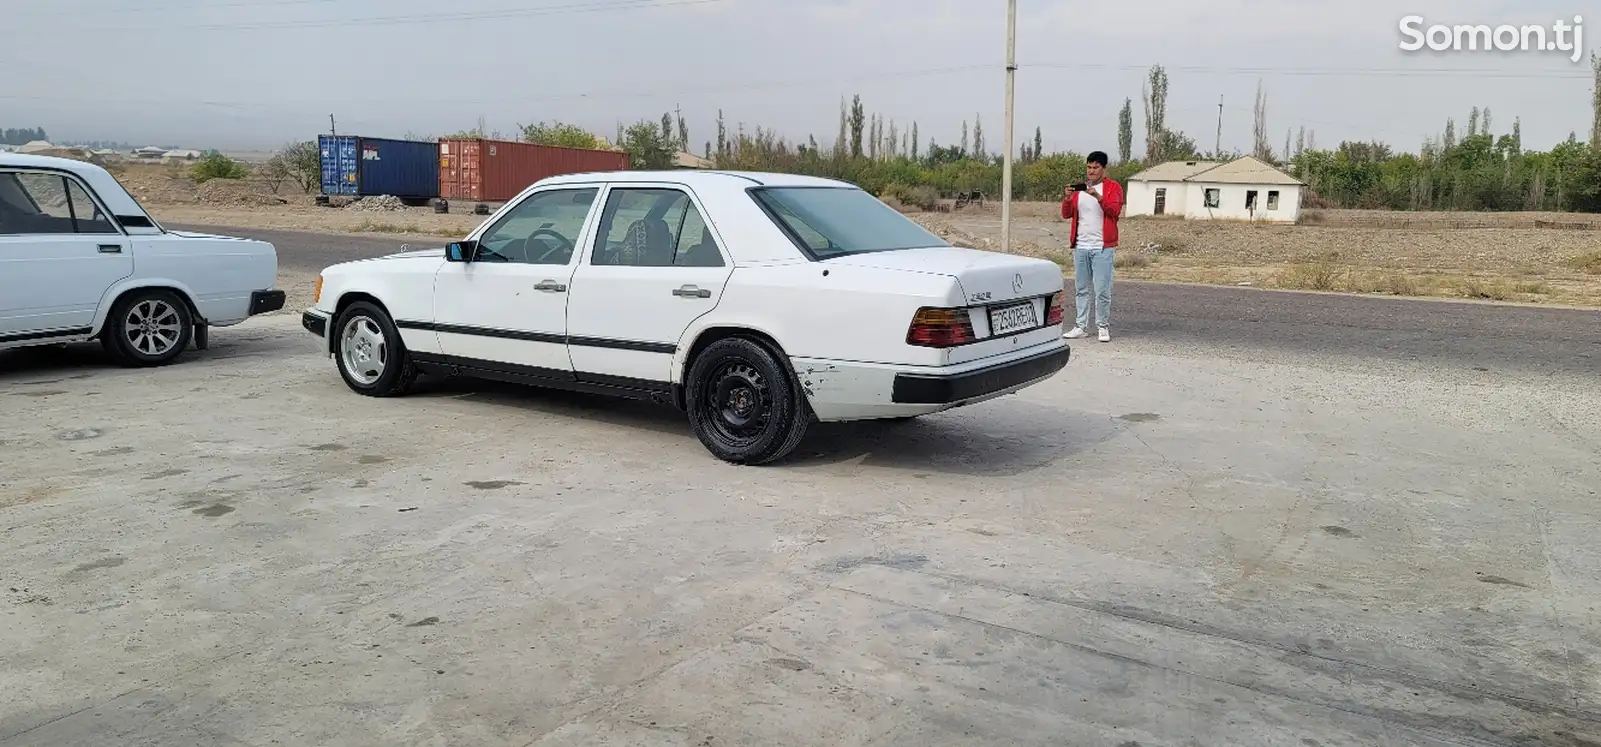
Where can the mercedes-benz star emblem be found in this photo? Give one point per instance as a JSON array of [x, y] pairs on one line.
[[1017, 283]]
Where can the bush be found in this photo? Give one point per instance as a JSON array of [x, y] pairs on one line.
[[217, 166], [922, 197]]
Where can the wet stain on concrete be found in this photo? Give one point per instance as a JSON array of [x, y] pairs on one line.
[[166, 473], [1501, 581], [41, 393], [410, 508], [372, 459], [793, 665], [81, 434], [1339, 531], [490, 484], [1140, 417], [329, 447], [359, 484], [904, 562], [985, 532], [102, 563], [213, 511], [425, 622], [117, 451]]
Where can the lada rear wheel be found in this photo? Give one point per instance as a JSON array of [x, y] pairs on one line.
[[148, 327], [743, 404]]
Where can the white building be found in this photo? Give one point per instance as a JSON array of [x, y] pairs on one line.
[[1243, 189]]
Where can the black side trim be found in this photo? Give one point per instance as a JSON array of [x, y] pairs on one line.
[[626, 382], [928, 389], [614, 386], [635, 345], [314, 323], [27, 336], [555, 339], [135, 221], [264, 301]]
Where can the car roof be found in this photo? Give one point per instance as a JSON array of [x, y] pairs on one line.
[[46, 162], [701, 177], [110, 191]]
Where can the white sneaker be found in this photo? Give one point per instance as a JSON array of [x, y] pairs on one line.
[[1106, 335], [1076, 333]]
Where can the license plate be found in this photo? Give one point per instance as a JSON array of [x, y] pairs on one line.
[[1012, 318]]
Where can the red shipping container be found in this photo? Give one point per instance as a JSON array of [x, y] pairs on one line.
[[497, 170]]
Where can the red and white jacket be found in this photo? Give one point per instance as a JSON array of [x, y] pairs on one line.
[[1111, 207]]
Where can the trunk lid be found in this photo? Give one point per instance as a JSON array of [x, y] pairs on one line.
[[986, 278]]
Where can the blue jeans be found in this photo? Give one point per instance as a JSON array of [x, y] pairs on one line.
[[1092, 268]]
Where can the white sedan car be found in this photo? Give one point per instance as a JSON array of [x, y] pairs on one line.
[[80, 260], [755, 302]]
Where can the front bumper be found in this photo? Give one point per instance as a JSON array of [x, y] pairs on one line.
[[314, 323], [945, 389], [263, 301]]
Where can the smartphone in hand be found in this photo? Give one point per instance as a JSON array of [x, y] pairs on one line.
[[1080, 187]]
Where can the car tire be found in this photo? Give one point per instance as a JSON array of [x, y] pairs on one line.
[[743, 403], [148, 327], [371, 357]]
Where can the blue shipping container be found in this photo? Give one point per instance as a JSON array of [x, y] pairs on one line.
[[369, 166], [338, 164]]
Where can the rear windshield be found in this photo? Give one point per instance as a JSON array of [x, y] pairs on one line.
[[832, 222]]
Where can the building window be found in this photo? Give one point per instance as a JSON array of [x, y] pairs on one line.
[[1213, 198], [1250, 200], [1273, 200]]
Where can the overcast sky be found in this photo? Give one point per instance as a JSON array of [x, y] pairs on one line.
[[243, 74]]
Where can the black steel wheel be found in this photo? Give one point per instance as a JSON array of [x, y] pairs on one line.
[[743, 404]]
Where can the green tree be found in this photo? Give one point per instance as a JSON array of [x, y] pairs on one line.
[[559, 134], [1125, 131], [649, 145]]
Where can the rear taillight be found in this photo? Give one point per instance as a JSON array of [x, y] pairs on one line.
[[940, 328], [1057, 309]]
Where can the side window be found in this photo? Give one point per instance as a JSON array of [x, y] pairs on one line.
[[39, 203], [654, 228], [541, 230]]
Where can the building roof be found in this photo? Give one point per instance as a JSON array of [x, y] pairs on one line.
[[1173, 171], [1243, 170]]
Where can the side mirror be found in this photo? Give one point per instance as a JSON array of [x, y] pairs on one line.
[[460, 251]]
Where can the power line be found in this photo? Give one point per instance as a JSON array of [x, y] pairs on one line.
[[59, 12], [603, 96], [1355, 72], [548, 10]]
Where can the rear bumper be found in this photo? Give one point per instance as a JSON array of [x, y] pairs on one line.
[[850, 390], [263, 301], [314, 323], [947, 389]]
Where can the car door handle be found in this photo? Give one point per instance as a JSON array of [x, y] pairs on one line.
[[110, 248], [690, 291], [551, 285]]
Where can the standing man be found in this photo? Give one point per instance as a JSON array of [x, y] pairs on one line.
[[1092, 209]]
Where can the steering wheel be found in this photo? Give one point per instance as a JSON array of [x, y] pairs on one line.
[[564, 244]]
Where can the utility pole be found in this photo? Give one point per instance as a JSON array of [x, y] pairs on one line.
[[332, 129], [1011, 88], [1217, 150]]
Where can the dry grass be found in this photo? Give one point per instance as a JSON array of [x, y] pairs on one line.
[[1332, 250], [1588, 263]]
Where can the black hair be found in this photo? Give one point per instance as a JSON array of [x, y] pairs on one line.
[[1097, 157]]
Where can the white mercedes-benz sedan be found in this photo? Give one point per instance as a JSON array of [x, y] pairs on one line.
[[756, 303]]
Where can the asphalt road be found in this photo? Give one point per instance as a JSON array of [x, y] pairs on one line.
[[1465, 336]]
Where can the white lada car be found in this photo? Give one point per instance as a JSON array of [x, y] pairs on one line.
[[757, 303], [80, 260]]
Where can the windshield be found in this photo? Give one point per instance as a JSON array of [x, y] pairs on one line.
[[832, 222]]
